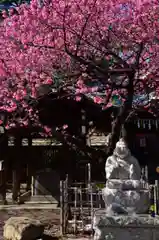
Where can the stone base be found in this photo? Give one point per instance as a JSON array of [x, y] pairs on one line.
[[125, 227], [126, 200]]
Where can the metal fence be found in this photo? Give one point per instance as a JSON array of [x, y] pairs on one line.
[[64, 205], [78, 203]]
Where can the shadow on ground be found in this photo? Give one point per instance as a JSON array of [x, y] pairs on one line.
[[47, 237]]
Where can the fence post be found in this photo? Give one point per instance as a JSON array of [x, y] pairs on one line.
[[63, 205], [156, 196], [154, 192], [91, 192], [32, 185], [147, 176], [75, 213], [89, 175], [99, 198], [81, 205], [88, 181], [61, 208], [65, 201]]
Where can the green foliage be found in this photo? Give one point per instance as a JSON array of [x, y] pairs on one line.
[[6, 3], [100, 185]]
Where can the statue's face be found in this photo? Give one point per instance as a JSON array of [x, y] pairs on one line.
[[121, 149]]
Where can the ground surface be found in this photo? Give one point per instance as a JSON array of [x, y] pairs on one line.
[[45, 213]]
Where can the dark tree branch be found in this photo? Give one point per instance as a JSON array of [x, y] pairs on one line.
[[78, 145], [141, 46]]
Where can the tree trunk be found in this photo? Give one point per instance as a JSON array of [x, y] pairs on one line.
[[121, 116]]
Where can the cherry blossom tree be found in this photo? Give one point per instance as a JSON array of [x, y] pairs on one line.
[[87, 48]]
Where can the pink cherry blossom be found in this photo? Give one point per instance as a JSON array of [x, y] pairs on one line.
[[49, 81], [78, 98], [65, 126], [43, 45], [98, 99]]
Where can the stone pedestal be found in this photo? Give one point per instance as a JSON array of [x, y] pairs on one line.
[[128, 194], [125, 227]]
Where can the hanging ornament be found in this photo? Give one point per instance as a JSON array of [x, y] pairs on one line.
[[142, 142], [156, 123], [138, 124], [149, 125]]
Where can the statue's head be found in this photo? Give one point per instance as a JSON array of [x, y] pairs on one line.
[[121, 149]]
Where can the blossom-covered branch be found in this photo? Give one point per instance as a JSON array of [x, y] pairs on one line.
[[105, 50]]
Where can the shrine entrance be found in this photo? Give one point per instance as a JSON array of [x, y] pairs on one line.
[[33, 170], [144, 145]]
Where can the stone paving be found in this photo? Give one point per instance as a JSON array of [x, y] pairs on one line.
[[45, 213], [78, 238]]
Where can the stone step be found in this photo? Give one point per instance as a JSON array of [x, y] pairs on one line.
[[42, 199]]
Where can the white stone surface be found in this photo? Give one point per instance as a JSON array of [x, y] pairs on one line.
[[125, 227], [122, 165], [124, 191], [21, 228], [124, 184], [129, 201]]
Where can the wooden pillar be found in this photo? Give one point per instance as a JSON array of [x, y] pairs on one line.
[[16, 170], [16, 184], [3, 183], [29, 166], [3, 169], [29, 177]]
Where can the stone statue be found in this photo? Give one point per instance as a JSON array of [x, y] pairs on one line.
[[124, 192], [122, 165]]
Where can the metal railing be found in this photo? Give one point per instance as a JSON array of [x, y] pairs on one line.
[[78, 203], [64, 205]]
